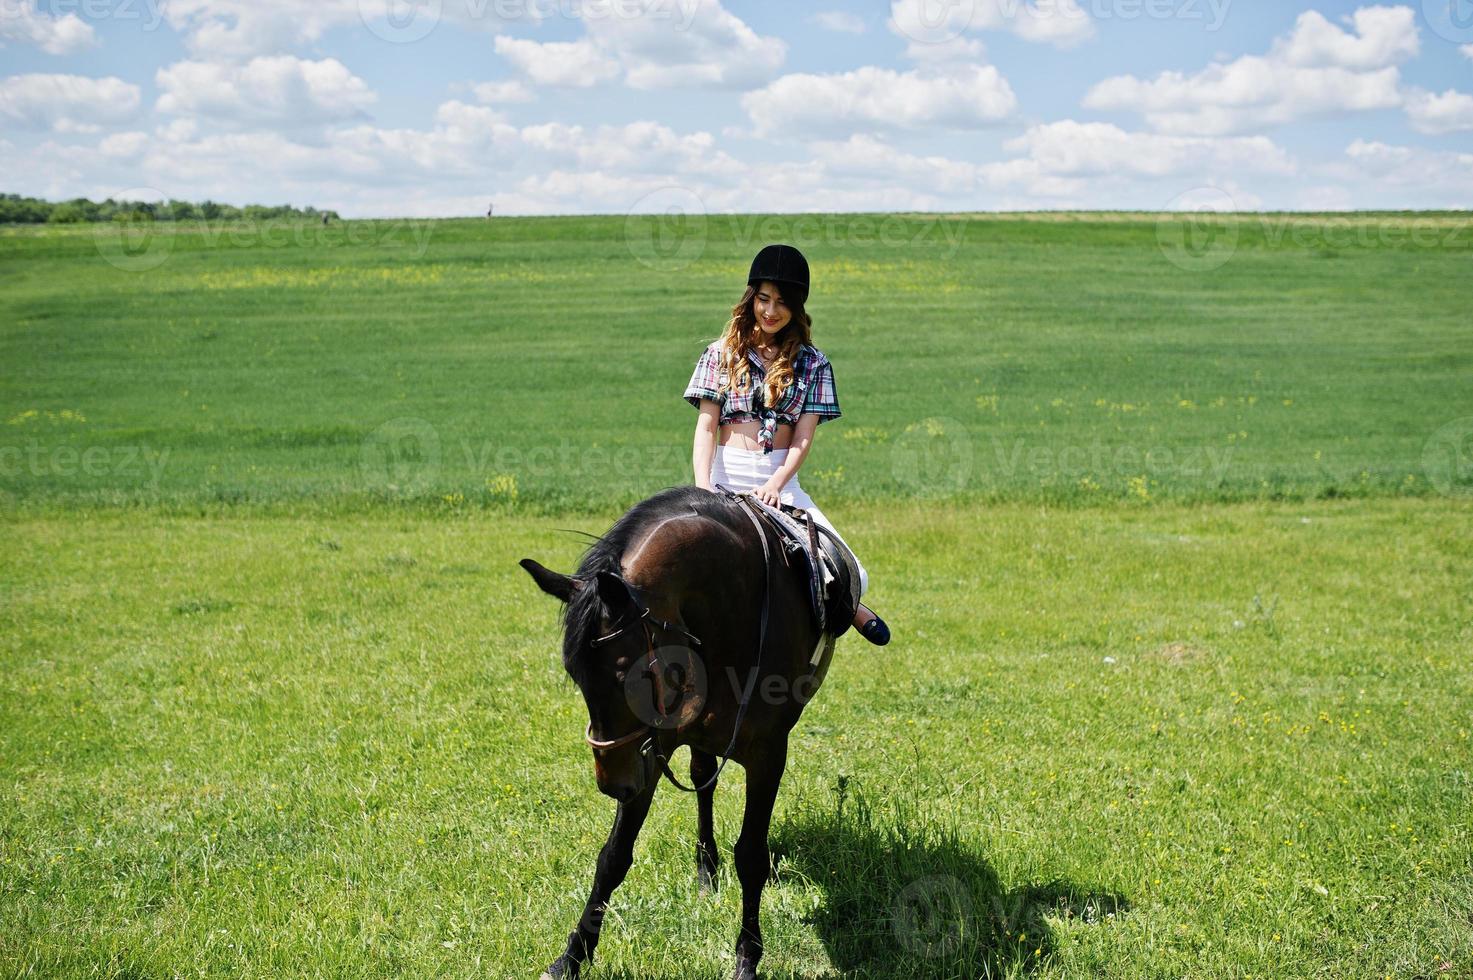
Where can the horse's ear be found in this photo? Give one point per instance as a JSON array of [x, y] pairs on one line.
[[553, 583], [614, 592]]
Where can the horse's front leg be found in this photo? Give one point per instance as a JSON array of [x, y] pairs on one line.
[[613, 864], [702, 768], [753, 860]]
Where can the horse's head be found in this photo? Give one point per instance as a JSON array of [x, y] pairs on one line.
[[597, 607]]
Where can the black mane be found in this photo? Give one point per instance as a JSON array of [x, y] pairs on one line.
[[580, 617]]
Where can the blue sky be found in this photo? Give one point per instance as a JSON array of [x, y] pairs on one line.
[[439, 107]]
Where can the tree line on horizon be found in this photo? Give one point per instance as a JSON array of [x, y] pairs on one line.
[[16, 209]]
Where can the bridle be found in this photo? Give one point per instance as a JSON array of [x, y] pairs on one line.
[[648, 621]]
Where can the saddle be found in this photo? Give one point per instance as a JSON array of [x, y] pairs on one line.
[[826, 564]]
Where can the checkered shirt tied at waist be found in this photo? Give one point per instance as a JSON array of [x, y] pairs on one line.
[[812, 391]]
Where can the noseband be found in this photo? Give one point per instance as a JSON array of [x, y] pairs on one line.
[[649, 622]]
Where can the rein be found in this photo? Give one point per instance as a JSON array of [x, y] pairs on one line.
[[648, 749]]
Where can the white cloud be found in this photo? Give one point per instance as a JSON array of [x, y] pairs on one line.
[[1090, 149], [573, 64], [1382, 36], [652, 44], [496, 92], [1436, 115], [67, 103], [1467, 50], [1377, 157], [206, 166], [466, 141], [1248, 94], [839, 21], [1415, 176], [468, 122], [696, 43], [874, 99], [1069, 158], [477, 143], [178, 130], [469, 155], [21, 22], [278, 89], [941, 53], [644, 148], [871, 159], [1326, 198], [242, 29], [1062, 23], [1318, 70], [127, 145]]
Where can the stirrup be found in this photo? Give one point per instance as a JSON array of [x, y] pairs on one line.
[[876, 631]]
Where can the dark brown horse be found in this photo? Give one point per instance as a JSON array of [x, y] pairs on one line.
[[684, 625]]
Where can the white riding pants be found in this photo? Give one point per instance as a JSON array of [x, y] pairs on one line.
[[748, 469]]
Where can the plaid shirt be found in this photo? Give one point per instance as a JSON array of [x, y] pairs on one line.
[[812, 391]]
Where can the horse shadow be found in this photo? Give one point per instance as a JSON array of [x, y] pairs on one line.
[[905, 896]]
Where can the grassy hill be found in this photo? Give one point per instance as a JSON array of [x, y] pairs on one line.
[[539, 362]]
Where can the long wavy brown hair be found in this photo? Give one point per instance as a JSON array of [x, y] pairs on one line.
[[740, 336]]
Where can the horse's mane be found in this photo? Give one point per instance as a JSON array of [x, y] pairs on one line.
[[580, 616]]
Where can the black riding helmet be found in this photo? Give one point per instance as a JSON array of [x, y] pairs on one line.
[[784, 265]]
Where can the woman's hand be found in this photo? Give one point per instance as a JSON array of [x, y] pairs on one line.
[[769, 493]]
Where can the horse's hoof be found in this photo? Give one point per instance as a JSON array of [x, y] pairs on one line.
[[561, 969], [745, 969], [707, 881]]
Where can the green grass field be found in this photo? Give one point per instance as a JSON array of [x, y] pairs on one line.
[[1172, 525], [543, 360]]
